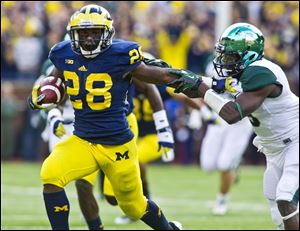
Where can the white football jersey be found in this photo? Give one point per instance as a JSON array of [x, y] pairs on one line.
[[276, 121]]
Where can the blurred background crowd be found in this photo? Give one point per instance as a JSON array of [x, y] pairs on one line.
[[182, 33]]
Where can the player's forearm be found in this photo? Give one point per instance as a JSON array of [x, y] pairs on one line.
[[154, 98], [230, 111], [152, 74]]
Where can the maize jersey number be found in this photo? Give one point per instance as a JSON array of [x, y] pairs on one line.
[[92, 92]]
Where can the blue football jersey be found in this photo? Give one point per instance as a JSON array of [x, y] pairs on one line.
[[144, 112], [97, 89]]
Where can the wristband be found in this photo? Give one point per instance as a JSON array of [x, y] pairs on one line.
[[53, 113], [160, 119], [214, 100], [208, 81]]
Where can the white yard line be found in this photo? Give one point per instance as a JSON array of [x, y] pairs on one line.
[[178, 201]]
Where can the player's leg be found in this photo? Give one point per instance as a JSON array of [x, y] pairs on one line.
[[71, 159], [235, 141], [147, 152], [275, 215], [209, 153], [120, 165], [107, 188], [211, 147], [87, 201], [145, 184], [272, 176], [287, 194], [108, 192]]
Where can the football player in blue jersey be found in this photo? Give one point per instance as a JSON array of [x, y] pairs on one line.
[[60, 126], [84, 186], [97, 73], [148, 135]]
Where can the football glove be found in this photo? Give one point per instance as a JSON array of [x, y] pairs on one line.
[[56, 122], [187, 82], [221, 85], [157, 63], [164, 133], [34, 100], [168, 156]]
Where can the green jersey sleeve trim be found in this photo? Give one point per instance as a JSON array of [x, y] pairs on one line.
[[256, 77], [47, 67]]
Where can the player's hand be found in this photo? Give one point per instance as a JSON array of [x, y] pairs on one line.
[[221, 85], [164, 132], [187, 82], [34, 100], [157, 63], [168, 155], [166, 143], [58, 128], [56, 122]]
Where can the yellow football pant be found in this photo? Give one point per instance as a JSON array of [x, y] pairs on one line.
[[73, 158]]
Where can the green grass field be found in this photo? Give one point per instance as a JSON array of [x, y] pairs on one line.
[[184, 193]]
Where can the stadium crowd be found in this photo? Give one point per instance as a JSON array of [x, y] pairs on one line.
[[181, 33]]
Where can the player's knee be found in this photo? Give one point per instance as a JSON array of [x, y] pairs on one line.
[[111, 200], [224, 166], [287, 209], [50, 174], [207, 166], [133, 209]]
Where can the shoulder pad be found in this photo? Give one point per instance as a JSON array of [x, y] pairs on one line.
[[256, 77], [59, 46]]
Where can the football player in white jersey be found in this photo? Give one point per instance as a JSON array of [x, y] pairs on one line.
[[223, 153], [265, 97]]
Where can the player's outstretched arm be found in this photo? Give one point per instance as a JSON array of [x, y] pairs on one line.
[[244, 105], [231, 111], [153, 74]]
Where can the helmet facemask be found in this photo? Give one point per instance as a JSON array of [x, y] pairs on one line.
[[91, 41], [228, 63]]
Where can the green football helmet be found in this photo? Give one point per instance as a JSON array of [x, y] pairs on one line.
[[240, 45]]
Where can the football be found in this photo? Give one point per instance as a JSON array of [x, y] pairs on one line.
[[53, 88]]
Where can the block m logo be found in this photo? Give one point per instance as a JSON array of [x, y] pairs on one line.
[[64, 208], [122, 156]]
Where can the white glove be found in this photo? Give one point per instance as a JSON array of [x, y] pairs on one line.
[[164, 132], [56, 122]]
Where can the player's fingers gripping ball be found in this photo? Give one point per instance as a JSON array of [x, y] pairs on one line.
[[45, 95], [34, 99], [53, 90]]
